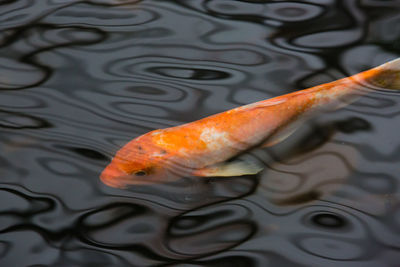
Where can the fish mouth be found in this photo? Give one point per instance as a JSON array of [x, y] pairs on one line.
[[114, 177]]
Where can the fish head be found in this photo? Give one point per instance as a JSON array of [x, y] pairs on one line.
[[121, 177], [137, 163]]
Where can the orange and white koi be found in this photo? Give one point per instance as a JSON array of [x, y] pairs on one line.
[[202, 148]]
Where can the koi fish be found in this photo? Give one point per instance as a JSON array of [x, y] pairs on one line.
[[203, 147]]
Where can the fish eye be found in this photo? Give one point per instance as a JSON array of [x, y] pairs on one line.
[[140, 173]]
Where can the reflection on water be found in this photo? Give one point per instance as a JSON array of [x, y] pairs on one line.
[[81, 78]]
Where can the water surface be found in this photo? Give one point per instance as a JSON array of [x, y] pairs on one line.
[[79, 79]]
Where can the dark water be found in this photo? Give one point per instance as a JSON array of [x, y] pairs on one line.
[[79, 79]]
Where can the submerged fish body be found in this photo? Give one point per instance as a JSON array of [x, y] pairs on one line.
[[201, 148]]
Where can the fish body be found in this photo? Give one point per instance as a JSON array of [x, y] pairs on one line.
[[202, 147]]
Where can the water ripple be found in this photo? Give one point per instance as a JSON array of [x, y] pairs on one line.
[[79, 79]]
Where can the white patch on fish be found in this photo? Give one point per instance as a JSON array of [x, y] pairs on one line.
[[183, 151], [215, 139], [157, 154], [156, 132]]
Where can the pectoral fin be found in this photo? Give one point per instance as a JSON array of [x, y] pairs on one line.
[[236, 168], [281, 135]]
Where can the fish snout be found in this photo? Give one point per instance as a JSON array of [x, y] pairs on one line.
[[113, 176]]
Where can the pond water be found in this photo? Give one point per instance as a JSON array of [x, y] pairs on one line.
[[79, 79]]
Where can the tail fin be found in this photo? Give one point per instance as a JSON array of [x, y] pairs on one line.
[[385, 76]]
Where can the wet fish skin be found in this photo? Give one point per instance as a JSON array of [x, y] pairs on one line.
[[202, 148]]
